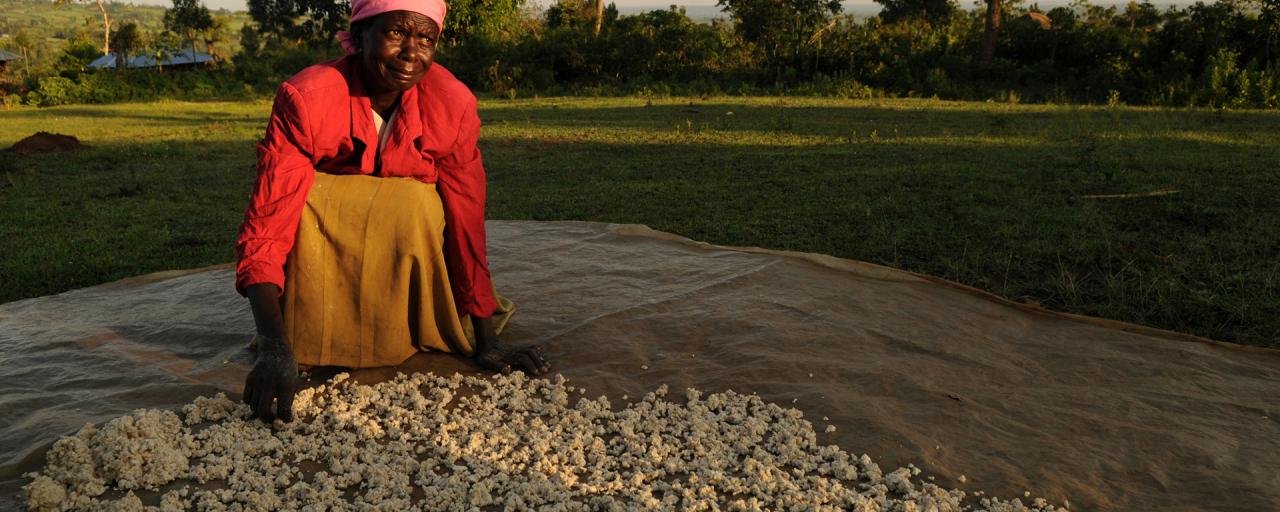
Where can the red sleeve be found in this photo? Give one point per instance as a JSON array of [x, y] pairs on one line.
[[462, 190], [285, 174]]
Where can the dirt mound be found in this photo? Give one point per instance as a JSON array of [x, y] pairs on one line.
[[45, 141]]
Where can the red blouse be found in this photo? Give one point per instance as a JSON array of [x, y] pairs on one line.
[[323, 121]]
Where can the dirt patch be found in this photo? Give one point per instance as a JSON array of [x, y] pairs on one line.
[[44, 141]]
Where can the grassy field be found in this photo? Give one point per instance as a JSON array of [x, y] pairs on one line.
[[991, 195]]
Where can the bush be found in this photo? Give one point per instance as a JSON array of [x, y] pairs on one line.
[[264, 69], [54, 90], [109, 86]]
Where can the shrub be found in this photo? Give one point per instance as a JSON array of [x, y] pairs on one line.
[[53, 91]]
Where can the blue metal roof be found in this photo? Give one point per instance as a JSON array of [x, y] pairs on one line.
[[187, 56], [142, 61], [105, 61], [6, 56]]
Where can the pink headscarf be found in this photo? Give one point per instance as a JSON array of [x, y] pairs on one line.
[[361, 9]]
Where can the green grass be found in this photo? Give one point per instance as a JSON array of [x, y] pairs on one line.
[[989, 195]]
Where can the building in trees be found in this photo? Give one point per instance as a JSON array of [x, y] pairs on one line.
[[5, 57], [187, 58]]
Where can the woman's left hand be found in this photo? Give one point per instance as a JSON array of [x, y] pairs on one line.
[[502, 359], [272, 381]]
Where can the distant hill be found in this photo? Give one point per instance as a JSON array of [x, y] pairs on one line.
[[47, 27]]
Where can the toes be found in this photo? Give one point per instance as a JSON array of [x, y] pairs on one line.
[[527, 363], [489, 362], [534, 353], [528, 359]]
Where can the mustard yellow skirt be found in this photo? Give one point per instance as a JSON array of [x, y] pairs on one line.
[[366, 283]]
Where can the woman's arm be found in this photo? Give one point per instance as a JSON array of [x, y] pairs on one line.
[[264, 300], [285, 174], [461, 185]]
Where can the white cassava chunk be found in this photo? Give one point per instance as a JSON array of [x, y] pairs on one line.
[[143, 450], [45, 494], [70, 461], [427, 442], [209, 409]]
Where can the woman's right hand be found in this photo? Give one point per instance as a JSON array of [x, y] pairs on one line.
[[504, 359], [274, 378]]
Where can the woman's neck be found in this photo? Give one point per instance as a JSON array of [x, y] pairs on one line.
[[383, 102]]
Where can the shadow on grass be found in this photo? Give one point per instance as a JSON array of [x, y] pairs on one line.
[[1002, 213]]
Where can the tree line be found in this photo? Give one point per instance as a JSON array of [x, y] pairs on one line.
[[1221, 54]]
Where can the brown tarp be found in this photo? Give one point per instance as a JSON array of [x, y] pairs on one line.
[[911, 369]]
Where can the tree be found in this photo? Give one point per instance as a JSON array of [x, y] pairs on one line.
[[106, 23], [24, 43], [1269, 17], [1136, 16], [321, 20], [475, 17], [188, 18], [782, 28], [249, 43], [934, 11], [166, 44], [988, 50], [78, 52], [570, 14], [213, 35], [126, 40], [599, 15]]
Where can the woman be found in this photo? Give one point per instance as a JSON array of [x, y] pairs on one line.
[[370, 186]]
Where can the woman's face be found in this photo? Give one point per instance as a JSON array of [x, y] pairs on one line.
[[396, 50]]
